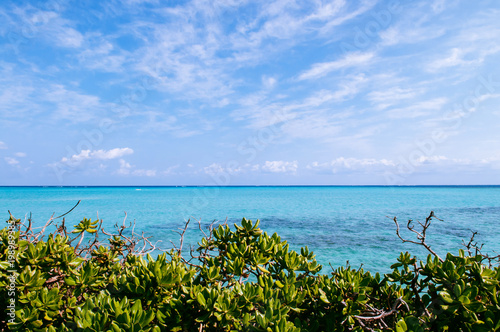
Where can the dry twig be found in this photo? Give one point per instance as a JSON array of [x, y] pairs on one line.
[[421, 236]]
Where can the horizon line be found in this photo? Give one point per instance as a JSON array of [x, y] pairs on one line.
[[247, 185]]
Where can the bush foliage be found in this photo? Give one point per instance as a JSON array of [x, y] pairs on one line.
[[237, 279]]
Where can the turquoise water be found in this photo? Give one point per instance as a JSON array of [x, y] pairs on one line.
[[338, 223]]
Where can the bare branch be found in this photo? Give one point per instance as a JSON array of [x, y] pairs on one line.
[[182, 236], [62, 215], [381, 314], [421, 236], [471, 245]]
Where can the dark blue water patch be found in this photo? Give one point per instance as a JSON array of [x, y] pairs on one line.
[[457, 231], [275, 222], [161, 226], [479, 210]]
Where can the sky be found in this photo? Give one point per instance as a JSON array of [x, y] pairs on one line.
[[145, 92]]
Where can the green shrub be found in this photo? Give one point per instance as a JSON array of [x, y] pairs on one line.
[[237, 279]]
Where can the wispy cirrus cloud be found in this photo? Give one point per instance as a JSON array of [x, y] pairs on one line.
[[404, 34], [24, 95], [184, 54], [419, 109], [456, 58], [69, 104], [392, 96], [102, 54], [322, 69], [35, 22], [300, 117]]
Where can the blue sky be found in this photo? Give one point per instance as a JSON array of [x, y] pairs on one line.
[[249, 92]]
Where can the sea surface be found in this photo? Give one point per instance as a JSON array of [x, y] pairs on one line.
[[342, 225]]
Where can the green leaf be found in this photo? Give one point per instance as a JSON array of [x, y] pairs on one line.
[[201, 299], [401, 326], [446, 297], [38, 323], [262, 269], [323, 296], [70, 281]]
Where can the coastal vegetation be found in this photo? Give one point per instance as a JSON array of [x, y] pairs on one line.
[[238, 278]]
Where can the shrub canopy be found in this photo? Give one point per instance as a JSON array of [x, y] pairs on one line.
[[238, 279]]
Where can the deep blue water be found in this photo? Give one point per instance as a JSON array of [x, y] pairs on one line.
[[338, 223]]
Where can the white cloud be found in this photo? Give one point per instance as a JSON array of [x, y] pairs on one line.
[[279, 23], [48, 25], [160, 121], [488, 96], [3, 146], [346, 16], [127, 169], [401, 166], [454, 59], [350, 60], [418, 109], [268, 82], [316, 115], [16, 96], [68, 37], [170, 170], [388, 97], [144, 172], [184, 52], [280, 166], [352, 164], [56, 29], [349, 87], [136, 2], [438, 6], [406, 33], [313, 125], [215, 169], [101, 54], [20, 154], [23, 95], [69, 104], [112, 154], [97, 155], [124, 168], [181, 53], [11, 161], [436, 159]]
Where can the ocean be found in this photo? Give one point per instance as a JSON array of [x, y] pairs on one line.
[[341, 224]]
